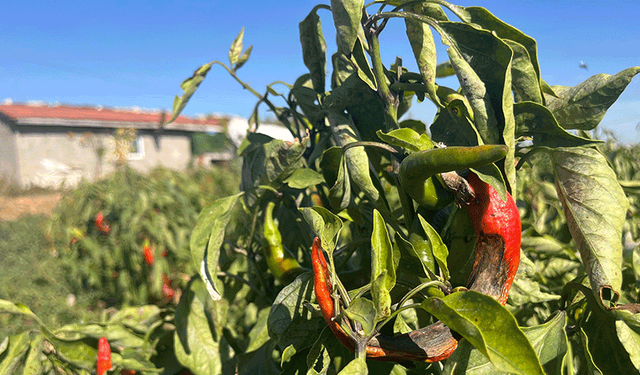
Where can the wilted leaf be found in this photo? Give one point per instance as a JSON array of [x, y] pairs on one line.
[[583, 106], [424, 50], [346, 16], [355, 158], [536, 120], [314, 49], [595, 208]]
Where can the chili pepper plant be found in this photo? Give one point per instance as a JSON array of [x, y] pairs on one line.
[[488, 240], [408, 270]]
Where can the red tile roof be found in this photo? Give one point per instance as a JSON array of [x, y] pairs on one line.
[[64, 112]]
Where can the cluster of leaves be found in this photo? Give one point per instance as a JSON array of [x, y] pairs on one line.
[[156, 210], [573, 295]]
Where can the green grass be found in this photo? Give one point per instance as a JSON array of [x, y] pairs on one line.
[[30, 274]]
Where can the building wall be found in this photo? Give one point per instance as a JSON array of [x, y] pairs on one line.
[[55, 156], [51, 157], [167, 149], [8, 162]]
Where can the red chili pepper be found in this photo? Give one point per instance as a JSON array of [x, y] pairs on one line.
[[497, 225], [101, 225], [104, 356], [127, 372], [167, 291], [148, 255]]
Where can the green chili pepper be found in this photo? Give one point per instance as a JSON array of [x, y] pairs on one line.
[[281, 263], [419, 172]]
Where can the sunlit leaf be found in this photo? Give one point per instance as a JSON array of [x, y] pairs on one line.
[[583, 106], [489, 327], [207, 238], [595, 208]]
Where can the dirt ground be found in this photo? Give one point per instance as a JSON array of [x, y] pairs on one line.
[[12, 208]]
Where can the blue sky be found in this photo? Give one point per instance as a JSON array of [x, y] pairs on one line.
[[123, 54]]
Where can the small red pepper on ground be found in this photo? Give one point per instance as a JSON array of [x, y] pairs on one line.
[[127, 372], [104, 356]]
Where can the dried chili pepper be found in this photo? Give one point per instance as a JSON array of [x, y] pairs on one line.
[[104, 356]]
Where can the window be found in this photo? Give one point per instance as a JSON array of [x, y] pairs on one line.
[[136, 151]]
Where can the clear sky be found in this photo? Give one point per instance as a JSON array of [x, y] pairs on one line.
[[136, 53]]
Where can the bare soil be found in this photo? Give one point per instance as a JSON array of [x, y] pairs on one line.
[[11, 208]]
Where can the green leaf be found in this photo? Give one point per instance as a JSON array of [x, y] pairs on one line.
[[33, 364], [236, 48], [583, 106], [324, 224], [358, 366], [362, 311], [243, 59], [444, 69], [630, 339], [330, 164], [440, 251], [13, 356], [303, 178], [346, 16], [525, 81], [483, 18], [591, 366], [290, 323], [549, 341], [355, 159], [407, 138], [194, 343], [384, 262], [489, 327], [595, 208], [424, 50], [314, 49], [189, 86], [537, 121], [340, 192], [364, 69], [207, 237]]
